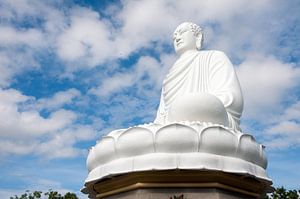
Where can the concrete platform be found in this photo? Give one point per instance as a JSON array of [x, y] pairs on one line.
[[179, 194], [181, 184]]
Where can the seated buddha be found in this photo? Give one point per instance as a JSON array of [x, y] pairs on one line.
[[201, 85]]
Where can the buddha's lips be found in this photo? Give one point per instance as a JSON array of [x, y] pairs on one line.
[[179, 43]]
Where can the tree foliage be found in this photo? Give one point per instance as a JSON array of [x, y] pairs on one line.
[[48, 195], [282, 193], [279, 193]]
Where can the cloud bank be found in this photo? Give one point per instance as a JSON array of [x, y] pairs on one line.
[[71, 72]]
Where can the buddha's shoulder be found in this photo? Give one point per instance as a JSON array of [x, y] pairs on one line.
[[212, 52]]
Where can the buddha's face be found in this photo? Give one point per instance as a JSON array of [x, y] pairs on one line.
[[184, 39]]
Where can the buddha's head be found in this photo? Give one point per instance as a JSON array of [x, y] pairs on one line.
[[187, 36]]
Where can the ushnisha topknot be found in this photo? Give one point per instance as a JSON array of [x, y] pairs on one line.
[[197, 30]]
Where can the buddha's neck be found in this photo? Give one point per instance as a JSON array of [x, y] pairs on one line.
[[187, 53]]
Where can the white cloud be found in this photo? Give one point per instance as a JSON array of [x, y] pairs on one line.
[[19, 147], [83, 39], [36, 184], [18, 8], [5, 71], [122, 95], [292, 112], [283, 142], [147, 71], [62, 144], [113, 84], [86, 39], [7, 193], [221, 20], [12, 64], [154, 69], [93, 40], [23, 130], [141, 26], [30, 37], [266, 83], [19, 42], [15, 123], [59, 99], [285, 130], [290, 128]]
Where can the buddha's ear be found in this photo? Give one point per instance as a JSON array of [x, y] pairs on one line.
[[199, 41]]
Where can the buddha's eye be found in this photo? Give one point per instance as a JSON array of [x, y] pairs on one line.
[[183, 31]]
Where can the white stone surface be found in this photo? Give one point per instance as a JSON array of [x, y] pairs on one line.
[[199, 80], [198, 107], [176, 146], [197, 123]]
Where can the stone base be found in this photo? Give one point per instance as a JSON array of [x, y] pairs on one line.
[[179, 194], [181, 184]]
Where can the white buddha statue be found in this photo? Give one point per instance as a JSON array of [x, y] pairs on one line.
[[196, 128], [202, 84]]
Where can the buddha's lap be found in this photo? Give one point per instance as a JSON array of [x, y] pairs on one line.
[[203, 107]]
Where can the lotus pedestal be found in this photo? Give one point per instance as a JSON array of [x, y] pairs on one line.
[[187, 160]]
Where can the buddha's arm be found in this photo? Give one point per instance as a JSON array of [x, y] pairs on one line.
[[225, 85], [161, 113]]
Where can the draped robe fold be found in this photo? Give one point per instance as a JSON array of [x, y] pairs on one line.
[[202, 72]]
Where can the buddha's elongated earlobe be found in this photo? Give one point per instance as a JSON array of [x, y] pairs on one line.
[[199, 41]]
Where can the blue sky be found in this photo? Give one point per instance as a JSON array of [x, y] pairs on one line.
[[71, 71]]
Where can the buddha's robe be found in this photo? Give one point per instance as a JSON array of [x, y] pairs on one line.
[[203, 72]]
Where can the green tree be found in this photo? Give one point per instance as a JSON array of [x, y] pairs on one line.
[[48, 195], [282, 193]]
